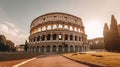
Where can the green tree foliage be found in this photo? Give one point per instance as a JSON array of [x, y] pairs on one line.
[[6, 45], [111, 36]]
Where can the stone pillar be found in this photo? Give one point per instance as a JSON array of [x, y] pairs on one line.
[[63, 37], [63, 49], [39, 49], [45, 49], [51, 27], [40, 39], [68, 37], [68, 48], [51, 48], [46, 28], [73, 48], [34, 49], [57, 48], [51, 37], [35, 38], [45, 37], [73, 37], [57, 37]]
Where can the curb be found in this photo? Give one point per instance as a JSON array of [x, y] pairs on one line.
[[91, 64]]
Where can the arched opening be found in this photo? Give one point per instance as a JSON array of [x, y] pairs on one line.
[[54, 49], [66, 37], [43, 28], [60, 36], [37, 49], [76, 48], [80, 48], [60, 48], [66, 26], [60, 26], [38, 38], [32, 49], [49, 27], [79, 38], [43, 37], [48, 37], [54, 36], [75, 38], [71, 37], [48, 49], [54, 26], [71, 48], [42, 49], [34, 39], [66, 48]]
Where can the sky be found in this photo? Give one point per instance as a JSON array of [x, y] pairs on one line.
[[17, 15]]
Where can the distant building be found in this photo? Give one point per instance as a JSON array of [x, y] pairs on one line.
[[20, 47], [96, 43]]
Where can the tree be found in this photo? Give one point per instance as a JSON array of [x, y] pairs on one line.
[[2, 42], [6, 45], [9, 45], [107, 41], [111, 36], [26, 46], [114, 34]]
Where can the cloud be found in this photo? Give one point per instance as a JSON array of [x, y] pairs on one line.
[[13, 32]]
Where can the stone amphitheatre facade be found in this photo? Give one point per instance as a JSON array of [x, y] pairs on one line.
[[57, 32]]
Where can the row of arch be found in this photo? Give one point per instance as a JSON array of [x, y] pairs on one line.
[[55, 48], [56, 17], [51, 37], [55, 26]]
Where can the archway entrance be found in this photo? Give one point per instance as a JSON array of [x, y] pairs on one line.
[[48, 49], [60, 48], [42, 49], [71, 48], [65, 48], [54, 49], [76, 48], [80, 48]]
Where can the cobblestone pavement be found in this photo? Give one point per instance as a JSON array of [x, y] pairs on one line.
[[52, 61]]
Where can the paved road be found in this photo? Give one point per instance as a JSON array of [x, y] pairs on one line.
[[52, 61]]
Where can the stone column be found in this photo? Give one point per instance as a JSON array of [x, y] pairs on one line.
[[45, 49], [57, 48], [63, 49], [63, 37], [68, 48], [73, 37], [68, 37], [34, 49], [51, 37], [77, 38], [35, 38], [45, 37], [51, 48], [51, 27], [39, 49], [57, 38], [74, 48]]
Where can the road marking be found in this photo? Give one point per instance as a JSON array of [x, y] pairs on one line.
[[19, 64]]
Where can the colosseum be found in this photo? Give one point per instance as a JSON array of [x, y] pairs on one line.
[[57, 32]]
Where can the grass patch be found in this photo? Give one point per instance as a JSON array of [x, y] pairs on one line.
[[106, 58]]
